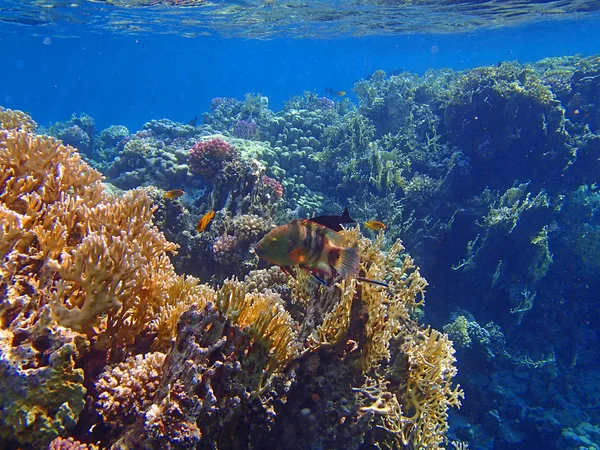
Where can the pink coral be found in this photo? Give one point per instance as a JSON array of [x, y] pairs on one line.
[[274, 185], [207, 157], [224, 248]]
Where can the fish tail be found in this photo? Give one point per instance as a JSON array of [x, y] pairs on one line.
[[345, 261]]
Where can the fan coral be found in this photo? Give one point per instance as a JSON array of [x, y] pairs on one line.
[[207, 158]]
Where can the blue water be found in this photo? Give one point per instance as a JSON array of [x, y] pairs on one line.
[[130, 79], [530, 377]]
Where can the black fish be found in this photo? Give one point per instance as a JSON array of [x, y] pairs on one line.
[[334, 222], [193, 121]]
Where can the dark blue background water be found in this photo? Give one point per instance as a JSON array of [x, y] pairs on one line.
[[120, 79]]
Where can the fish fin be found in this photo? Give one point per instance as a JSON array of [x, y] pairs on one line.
[[288, 270], [378, 283], [345, 261], [298, 255], [346, 217], [319, 279]]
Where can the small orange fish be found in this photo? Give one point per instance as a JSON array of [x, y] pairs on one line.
[[172, 195], [334, 92], [375, 225], [205, 221]]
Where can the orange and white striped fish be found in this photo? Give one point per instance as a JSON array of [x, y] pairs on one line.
[[310, 246]]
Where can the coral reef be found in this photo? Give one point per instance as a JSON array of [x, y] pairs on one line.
[[127, 389], [73, 280], [511, 254], [242, 362]]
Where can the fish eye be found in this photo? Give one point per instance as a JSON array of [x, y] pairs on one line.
[[292, 244]]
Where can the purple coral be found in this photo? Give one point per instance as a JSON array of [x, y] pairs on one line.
[[224, 248], [325, 103], [244, 129], [207, 157], [222, 101], [68, 444]]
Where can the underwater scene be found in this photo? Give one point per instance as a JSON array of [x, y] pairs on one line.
[[292, 224]]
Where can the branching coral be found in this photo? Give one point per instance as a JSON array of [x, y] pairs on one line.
[[78, 267], [208, 157], [90, 271], [11, 119], [263, 317], [128, 388]]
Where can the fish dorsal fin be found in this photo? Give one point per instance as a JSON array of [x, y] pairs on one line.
[[331, 235], [318, 220], [346, 217]]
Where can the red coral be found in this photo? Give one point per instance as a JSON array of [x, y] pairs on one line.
[[207, 157], [274, 184]]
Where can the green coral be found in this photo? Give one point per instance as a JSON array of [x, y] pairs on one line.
[[458, 332], [41, 403]]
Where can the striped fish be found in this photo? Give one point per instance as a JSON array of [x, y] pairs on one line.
[[310, 246]]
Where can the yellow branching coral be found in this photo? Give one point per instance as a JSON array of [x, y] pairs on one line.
[[428, 392], [180, 296], [72, 254], [414, 411], [263, 316], [11, 119], [77, 266]]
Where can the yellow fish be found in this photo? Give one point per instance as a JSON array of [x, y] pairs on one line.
[[375, 225], [205, 221], [172, 195], [340, 93]]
